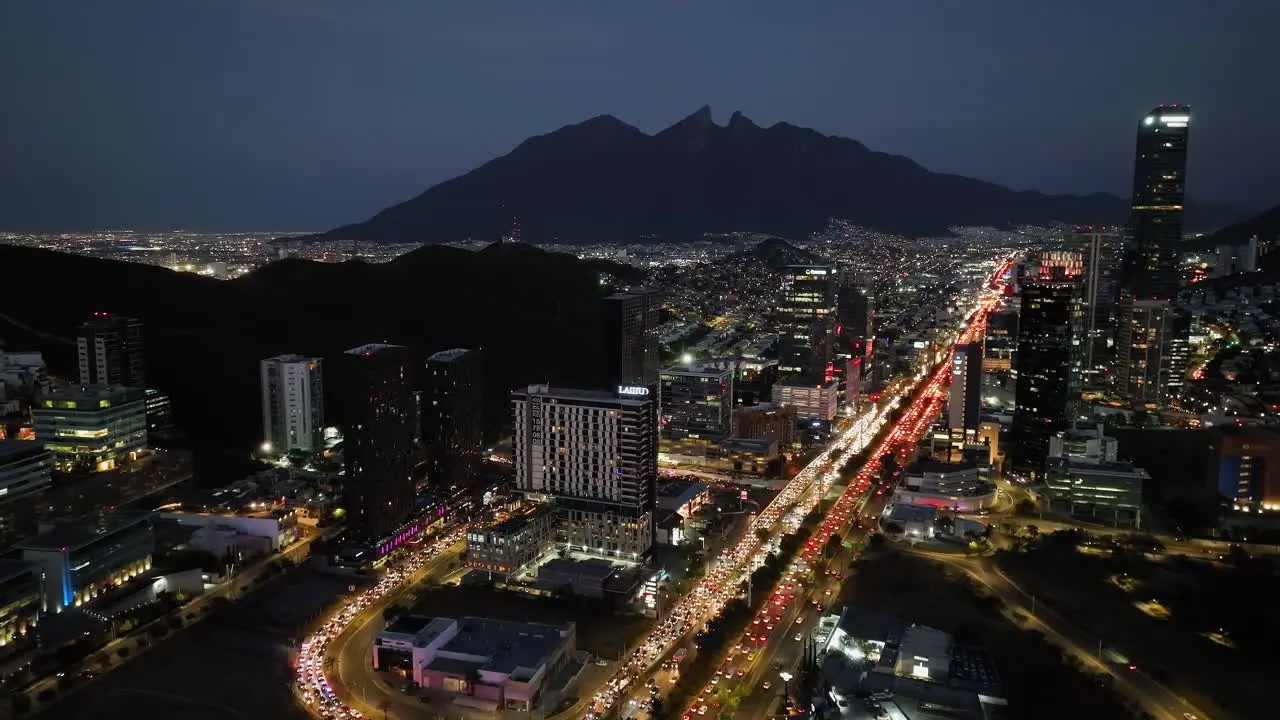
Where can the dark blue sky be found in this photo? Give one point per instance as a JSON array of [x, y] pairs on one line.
[[306, 114]]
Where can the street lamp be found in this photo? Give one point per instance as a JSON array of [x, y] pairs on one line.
[[786, 681]]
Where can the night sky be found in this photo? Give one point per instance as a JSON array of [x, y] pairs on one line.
[[306, 114]]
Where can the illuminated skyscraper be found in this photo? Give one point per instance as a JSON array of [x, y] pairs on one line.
[[109, 349], [452, 417], [1100, 249], [292, 403], [1159, 189], [808, 317], [1151, 337], [630, 337]]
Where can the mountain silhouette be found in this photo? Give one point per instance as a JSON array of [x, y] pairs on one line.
[[604, 180]]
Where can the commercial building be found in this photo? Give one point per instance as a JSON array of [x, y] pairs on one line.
[[767, 421], [453, 417], [1000, 342], [958, 486], [812, 401], [595, 578], [92, 428], [595, 454], [84, 560], [26, 470], [21, 598], [1152, 351], [22, 373], [855, 327], [1101, 249], [513, 543], [238, 534], [697, 408], [964, 405], [488, 664], [1152, 337], [916, 522], [378, 430], [1090, 444], [921, 667], [629, 337], [808, 321], [683, 497], [1239, 258], [1108, 491], [1244, 467], [1151, 260], [292, 404], [109, 350], [1048, 366]]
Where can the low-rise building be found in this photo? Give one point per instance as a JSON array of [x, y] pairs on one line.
[[957, 486], [92, 427], [915, 521], [812, 401], [488, 664], [1106, 491], [25, 472], [767, 421], [241, 534], [684, 497], [84, 560], [21, 594], [513, 543]]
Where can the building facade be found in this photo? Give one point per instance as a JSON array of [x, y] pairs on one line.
[[92, 428], [1048, 366], [1100, 249], [812, 401], [21, 599], [1150, 268], [514, 543], [1244, 467], [109, 351], [964, 404], [86, 560], [629, 335], [452, 408], [775, 423], [379, 439], [1152, 351], [697, 405], [595, 454], [807, 317], [292, 403]]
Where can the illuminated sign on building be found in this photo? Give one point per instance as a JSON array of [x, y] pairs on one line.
[[636, 390]]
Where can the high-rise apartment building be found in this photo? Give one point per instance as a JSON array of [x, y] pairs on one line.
[[594, 453], [964, 406], [109, 350], [292, 404], [1048, 367], [1152, 351], [1100, 249], [697, 404], [629, 335], [378, 431], [1151, 332], [808, 319], [453, 417]]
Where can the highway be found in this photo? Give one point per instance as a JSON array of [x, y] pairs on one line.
[[321, 689], [790, 598], [1156, 699]]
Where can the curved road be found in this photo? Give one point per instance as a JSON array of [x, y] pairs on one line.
[[1155, 698]]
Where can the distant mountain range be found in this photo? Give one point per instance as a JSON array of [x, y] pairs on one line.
[[604, 180]]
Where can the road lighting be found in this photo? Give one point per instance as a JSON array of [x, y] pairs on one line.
[[786, 683]]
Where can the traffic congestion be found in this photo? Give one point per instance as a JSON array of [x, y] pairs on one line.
[[312, 681]]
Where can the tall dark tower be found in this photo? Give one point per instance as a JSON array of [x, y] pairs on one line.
[[1048, 364], [808, 318], [1159, 190], [378, 430], [452, 417], [1152, 333], [109, 349], [630, 338]]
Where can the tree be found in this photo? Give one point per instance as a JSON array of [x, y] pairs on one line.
[[21, 704], [894, 528], [762, 534], [833, 545]]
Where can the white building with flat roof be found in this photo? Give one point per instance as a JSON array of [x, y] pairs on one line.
[[292, 403]]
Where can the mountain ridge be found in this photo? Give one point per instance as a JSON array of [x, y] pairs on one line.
[[603, 179]]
